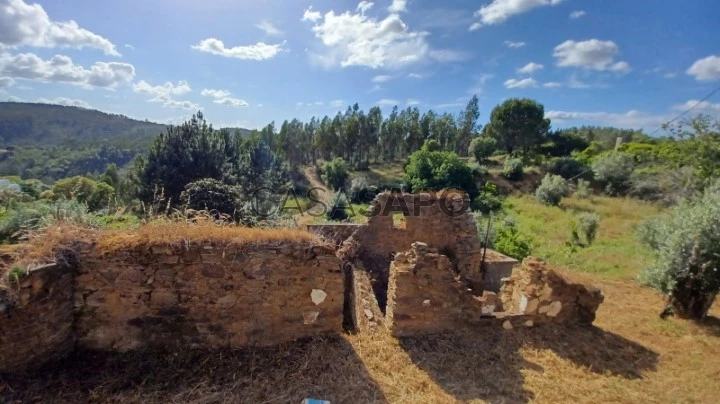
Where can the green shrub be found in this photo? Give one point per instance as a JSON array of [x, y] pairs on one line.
[[28, 217], [337, 207], [568, 167], [488, 200], [513, 169], [511, 242], [211, 195], [16, 274], [686, 242], [435, 170], [551, 190], [359, 189], [583, 189], [335, 173], [588, 225], [614, 170], [482, 147]]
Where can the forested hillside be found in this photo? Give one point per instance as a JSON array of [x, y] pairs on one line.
[[50, 142]]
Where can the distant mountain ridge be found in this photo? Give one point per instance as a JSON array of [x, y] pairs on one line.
[[32, 124]]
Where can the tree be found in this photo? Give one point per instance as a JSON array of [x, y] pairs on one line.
[[335, 173], [467, 124], [482, 147], [519, 124], [258, 168], [435, 170], [184, 154]]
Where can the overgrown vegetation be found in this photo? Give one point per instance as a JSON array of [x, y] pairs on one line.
[[686, 243]]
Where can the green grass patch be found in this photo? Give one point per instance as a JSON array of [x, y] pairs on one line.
[[616, 252]]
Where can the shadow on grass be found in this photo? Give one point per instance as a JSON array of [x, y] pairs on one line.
[[711, 324], [325, 368], [487, 364]]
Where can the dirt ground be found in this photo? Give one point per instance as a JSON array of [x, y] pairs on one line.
[[630, 356]]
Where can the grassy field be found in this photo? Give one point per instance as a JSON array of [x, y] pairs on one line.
[[615, 253]]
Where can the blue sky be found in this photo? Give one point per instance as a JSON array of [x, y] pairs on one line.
[[245, 63]]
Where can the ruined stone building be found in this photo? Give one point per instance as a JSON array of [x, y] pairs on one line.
[[422, 274]]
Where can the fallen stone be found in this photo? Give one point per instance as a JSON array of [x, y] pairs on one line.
[[507, 325], [318, 296]]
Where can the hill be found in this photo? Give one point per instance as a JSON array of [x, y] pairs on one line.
[[50, 142], [26, 124]]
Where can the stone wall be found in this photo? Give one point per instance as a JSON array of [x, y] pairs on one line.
[[36, 318], [536, 290], [172, 298], [335, 233], [425, 296], [210, 296]]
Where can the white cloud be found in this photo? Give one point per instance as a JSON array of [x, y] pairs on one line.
[[412, 102], [354, 39], [524, 83], [511, 44], [127, 45], [706, 69], [631, 119], [376, 88], [223, 97], [168, 88], [337, 103], [387, 102], [269, 28], [577, 14], [311, 15], [530, 68], [552, 84], [398, 6], [364, 6], [23, 24], [61, 69], [68, 102], [450, 105], [6, 82], [415, 76], [259, 51], [383, 78], [163, 94], [591, 54], [475, 26], [696, 105], [500, 10]]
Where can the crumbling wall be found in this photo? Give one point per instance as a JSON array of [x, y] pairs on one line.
[[440, 220], [425, 296], [210, 296], [36, 318], [536, 290], [335, 233]]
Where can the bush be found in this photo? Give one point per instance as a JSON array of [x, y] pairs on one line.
[[28, 217], [359, 189], [568, 167], [335, 173], [211, 195], [482, 147], [513, 169], [583, 189], [614, 170], [337, 207], [511, 242], [488, 200], [436, 170], [588, 224], [686, 242], [551, 190]]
